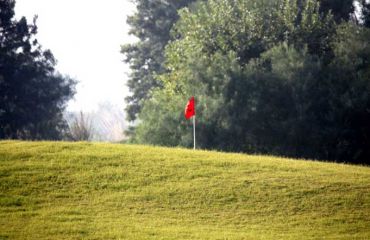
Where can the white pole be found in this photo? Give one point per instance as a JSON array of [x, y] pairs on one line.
[[194, 130]]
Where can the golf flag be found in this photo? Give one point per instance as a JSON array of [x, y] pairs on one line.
[[190, 108], [190, 112]]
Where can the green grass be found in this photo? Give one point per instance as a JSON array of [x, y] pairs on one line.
[[60, 190]]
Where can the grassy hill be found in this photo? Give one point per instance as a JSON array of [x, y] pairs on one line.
[[51, 190]]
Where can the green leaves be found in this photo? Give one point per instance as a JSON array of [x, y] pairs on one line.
[[273, 77]]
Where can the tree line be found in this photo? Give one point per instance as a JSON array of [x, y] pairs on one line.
[[287, 77]]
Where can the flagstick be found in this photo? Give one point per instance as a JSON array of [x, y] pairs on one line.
[[194, 130]]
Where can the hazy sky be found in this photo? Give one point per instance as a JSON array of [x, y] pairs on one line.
[[85, 37]]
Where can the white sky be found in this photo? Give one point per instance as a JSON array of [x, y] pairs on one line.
[[85, 38]]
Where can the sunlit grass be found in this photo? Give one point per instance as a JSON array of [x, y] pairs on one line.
[[57, 190]]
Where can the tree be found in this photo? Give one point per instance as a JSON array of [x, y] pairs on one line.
[[32, 94], [224, 36], [270, 77], [348, 79], [151, 25]]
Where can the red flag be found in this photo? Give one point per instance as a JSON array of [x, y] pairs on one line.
[[190, 108]]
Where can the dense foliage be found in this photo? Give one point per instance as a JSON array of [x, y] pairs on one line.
[[151, 24], [32, 94], [279, 77]]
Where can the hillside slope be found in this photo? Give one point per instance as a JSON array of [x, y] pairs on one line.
[[57, 190]]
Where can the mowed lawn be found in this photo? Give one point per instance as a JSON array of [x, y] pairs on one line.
[[61, 190]]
